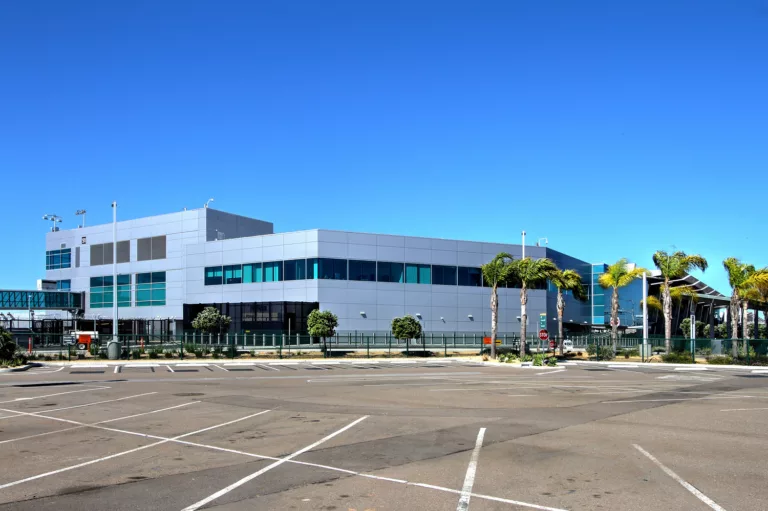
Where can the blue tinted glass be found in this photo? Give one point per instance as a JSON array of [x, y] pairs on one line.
[[411, 274]]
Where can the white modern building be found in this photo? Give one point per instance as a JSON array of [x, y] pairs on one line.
[[171, 266]]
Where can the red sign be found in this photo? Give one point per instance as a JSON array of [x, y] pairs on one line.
[[486, 340], [552, 345], [543, 334]]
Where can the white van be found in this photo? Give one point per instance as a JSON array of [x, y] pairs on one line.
[[567, 346]]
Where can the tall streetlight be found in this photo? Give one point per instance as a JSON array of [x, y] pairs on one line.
[[54, 219], [114, 271], [81, 212], [208, 202], [523, 244]]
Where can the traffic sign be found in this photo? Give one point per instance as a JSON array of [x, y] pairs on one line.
[[543, 334], [552, 345], [617, 322], [543, 320]]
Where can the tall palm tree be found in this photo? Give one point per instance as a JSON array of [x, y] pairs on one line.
[[566, 280], [528, 272], [744, 280], [619, 274], [674, 266], [495, 273]]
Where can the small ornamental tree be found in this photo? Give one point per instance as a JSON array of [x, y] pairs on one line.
[[405, 329], [211, 320], [7, 346], [322, 324]]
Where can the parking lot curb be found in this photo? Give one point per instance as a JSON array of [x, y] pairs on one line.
[[657, 365]]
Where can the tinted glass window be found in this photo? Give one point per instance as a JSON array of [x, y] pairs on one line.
[[252, 272], [390, 272], [233, 274], [470, 276], [213, 276], [273, 271], [444, 275], [296, 269], [362, 270]]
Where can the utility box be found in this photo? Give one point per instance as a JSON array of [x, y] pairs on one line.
[[113, 350]]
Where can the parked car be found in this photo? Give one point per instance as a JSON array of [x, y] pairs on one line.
[[567, 346]]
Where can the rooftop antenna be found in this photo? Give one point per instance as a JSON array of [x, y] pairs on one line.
[[546, 242], [208, 202]]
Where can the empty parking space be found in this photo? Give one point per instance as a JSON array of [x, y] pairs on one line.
[[414, 435]]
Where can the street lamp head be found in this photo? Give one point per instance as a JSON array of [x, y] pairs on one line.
[[208, 202]]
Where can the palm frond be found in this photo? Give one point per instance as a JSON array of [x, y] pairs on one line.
[[497, 270], [531, 271], [677, 293], [678, 264], [653, 303]]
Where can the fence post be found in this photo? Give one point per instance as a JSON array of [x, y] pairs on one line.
[[279, 348], [368, 346], [445, 347], [389, 340]]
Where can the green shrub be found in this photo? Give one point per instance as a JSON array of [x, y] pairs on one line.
[[602, 352], [216, 354], [199, 353], [169, 353], [103, 355], [704, 352], [538, 359], [62, 356], [155, 353], [678, 357], [48, 358], [136, 354], [720, 360], [552, 362]]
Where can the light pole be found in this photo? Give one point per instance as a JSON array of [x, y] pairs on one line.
[[208, 202], [114, 271], [523, 244], [81, 212], [54, 219]]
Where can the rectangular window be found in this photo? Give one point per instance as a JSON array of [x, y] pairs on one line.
[[362, 270], [296, 269], [390, 272], [150, 289], [103, 291], [418, 274], [213, 276], [252, 273], [63, 285], [273, 271], [58, 259], [470, 276], [233, 274], [444, 275], [150, 248], [123, 251], [327, 269]]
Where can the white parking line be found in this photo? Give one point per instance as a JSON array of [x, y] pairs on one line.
[[706, 500], [469, 478], [169, 369], [742, 409], [19, 414], [240, 364], [123, 453], [81, 425], [51, 395], [690, 369], [264, 366], [219, 367], [256, 474], [759, 371], [117, 369], [551, 372]]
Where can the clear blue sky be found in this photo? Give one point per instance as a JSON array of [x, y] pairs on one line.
[[612, 128]]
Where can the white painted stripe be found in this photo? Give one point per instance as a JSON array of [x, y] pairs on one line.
[[283, 363], [264, 366], [51, 395], [219, 367], [141, 365], [759, 371], [706, 500], [171, 370], [675, 399], [88, 366], [370, 476], [620, 366], [691, 369], [117, 369], [191, 364], [256, 474], [123, 453], [82, 425], [19, 414], [240, 364], [329, 363], [469, 478], [742, 409], [551, 372]]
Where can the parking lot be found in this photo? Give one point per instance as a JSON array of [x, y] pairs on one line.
[[381, 435]]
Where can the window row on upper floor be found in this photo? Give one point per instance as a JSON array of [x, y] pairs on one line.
[[343, 269], [58, 259]]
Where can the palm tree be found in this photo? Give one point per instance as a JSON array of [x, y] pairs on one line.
[[674, 266], [528, 272], [619, 274], [494, 273], [566, 280], [744, 280]]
